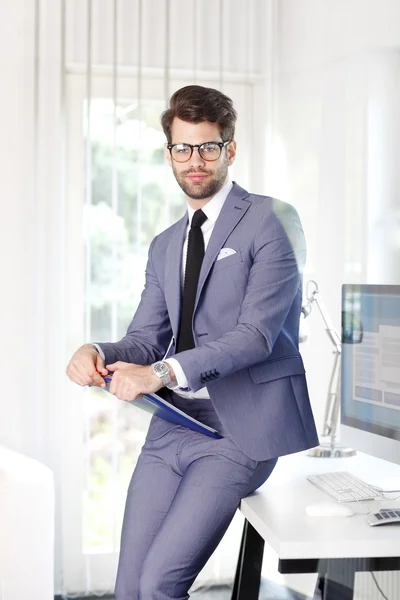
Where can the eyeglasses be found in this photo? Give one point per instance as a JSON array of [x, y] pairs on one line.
[[208, 150]]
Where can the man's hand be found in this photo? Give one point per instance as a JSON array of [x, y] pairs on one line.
[[131, 381], [86, 367]]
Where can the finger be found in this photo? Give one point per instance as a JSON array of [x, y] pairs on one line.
[[130, 392], [76, 380], [101, 369], [122, 393], [113, 385], [125, 395], [88, 372], [119, 386], [89, 366], [118, 365], [77, 375], [84, 367], [97, 379], [100, 365]]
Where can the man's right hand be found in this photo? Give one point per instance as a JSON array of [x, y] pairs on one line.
[[86, 367]]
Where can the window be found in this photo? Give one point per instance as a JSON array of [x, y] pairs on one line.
[[120, 194]]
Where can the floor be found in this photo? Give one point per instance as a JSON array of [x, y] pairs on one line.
[[268, 591]]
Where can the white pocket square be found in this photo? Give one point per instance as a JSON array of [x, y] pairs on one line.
[[225, 252]]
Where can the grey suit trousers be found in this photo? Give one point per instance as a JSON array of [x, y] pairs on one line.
[[184, 492]]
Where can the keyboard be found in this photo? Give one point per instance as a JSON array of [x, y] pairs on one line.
[[384, 517], [344, 487]]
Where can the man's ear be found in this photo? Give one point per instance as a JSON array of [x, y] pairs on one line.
[[231, 148], [167, 154]]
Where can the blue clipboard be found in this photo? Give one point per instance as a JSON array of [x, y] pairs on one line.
[[154, 404]]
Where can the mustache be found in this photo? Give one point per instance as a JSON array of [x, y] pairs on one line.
[[197, 172]]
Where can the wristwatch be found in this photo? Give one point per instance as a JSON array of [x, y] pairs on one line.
[[161, 369]]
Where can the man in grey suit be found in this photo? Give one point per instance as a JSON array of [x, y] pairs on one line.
[[216, 334]]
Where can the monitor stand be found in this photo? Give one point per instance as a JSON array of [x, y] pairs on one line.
[[331, 450]]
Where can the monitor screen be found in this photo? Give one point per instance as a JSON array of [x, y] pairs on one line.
[[370, 369]]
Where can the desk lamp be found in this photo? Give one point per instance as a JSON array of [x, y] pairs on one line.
[[331, 449]]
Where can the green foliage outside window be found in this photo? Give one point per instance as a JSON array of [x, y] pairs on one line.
[[129, 206]]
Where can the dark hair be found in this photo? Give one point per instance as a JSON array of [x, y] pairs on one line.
[[195, 103]]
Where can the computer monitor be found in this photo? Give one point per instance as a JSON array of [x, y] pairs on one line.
[[370, 370]]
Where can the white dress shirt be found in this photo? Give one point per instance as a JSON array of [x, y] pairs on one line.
[[211, 210]]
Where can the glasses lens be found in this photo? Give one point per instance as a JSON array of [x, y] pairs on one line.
[[209, 151], [181, 152]]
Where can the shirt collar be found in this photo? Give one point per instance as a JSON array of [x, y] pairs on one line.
[[214, 206]]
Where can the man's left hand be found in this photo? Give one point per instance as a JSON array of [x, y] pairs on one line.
[[130, 381]]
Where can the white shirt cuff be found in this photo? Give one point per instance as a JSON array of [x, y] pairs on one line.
[[181, 381], [100, 351]]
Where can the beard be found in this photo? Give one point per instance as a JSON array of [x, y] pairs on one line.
[[203, 189]]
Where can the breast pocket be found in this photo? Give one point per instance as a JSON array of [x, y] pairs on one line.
[[228, 261]]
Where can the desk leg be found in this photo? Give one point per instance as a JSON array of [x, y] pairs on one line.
[[248, 570], [338, 582]]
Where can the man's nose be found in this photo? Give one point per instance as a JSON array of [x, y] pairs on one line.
[[196, 160]]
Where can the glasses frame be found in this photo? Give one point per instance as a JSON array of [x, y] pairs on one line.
[[221, 145]]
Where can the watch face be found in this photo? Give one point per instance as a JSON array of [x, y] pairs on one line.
[[160, 369]]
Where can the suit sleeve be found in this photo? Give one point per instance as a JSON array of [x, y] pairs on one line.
[[149, 332], [273, 283]]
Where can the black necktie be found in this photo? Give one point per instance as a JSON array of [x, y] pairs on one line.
[[194, 258]]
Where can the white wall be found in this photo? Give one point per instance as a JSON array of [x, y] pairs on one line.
[[338, 86], [338, 111]]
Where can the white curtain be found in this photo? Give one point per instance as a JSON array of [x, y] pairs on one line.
[[101, 73]]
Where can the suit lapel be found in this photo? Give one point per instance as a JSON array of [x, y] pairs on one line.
[[231, 213], [173, 269], [233, 209]]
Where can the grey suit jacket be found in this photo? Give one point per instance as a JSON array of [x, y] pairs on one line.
[[245, 323]]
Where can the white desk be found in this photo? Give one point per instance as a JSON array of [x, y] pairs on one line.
[[335, 547]]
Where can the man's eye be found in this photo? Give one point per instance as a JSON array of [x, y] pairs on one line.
[[181, 149], [209, 148]]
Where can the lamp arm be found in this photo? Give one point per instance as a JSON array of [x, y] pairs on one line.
[[330, 330], [332, 405], [335, 390], [332, 401]]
